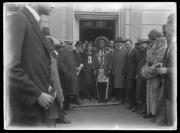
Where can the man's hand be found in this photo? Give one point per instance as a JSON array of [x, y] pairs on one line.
[[161, 70], [45, 100]]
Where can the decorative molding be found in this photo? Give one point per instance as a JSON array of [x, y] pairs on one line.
[[96, 15]]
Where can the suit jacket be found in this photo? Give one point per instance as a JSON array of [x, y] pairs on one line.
[[78, 57], [28, 66], [67, 71], [130, 65]]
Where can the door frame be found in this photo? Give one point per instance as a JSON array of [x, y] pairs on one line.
[[84, 15]]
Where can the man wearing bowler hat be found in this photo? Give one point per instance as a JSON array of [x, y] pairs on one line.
[[118, 69]]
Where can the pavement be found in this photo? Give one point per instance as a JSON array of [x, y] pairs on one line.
[[107, 116]]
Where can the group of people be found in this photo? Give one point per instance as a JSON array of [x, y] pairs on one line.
[[46, 75]]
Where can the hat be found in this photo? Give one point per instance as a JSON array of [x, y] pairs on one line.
[[78, 43], [105, 39], [140, 41], [60, 44], [119, 39], [154, 34], [68, 42]]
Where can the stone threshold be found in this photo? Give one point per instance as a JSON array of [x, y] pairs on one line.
[[94, 105]]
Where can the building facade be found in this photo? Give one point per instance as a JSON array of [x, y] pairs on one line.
[[85, 21]]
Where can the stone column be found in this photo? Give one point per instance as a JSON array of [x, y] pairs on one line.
[[136, 21], [121, 23]]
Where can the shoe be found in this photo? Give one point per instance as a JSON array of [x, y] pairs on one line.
[[106, 100], [128, 106], [147, 116], [153, 119], [134, 109], [142, 112], [77, 102], [65, 121], [139, 111], [68, 108]]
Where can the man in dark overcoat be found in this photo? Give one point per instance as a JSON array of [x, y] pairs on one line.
[[130, 73], [118, 69], [167, 71], [28, 67], [68, 71]]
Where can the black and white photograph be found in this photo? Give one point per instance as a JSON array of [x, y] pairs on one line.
[[90, 65]]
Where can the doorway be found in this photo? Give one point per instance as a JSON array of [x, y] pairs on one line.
[[90, 29]]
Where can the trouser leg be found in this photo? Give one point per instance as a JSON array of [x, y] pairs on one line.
[[66, 101], [30, 122], [122, 94], [102, 91], [170, 113]]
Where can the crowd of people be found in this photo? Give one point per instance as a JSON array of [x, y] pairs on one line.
[[46, 75]]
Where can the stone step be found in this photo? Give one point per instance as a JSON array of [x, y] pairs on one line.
[[94, 104]]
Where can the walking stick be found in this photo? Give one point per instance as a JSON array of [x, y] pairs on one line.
[[97, 90], [107, 88]]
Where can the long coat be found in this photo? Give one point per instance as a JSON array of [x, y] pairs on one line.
[[89, 76], [55, 80], [79, 60], [68, 71], [28, 66], [140, 60], [118, 67], [168, 78]]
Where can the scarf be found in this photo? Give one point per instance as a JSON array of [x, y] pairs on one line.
[[156, 53]]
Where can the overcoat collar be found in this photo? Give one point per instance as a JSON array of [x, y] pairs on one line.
[[36, 28]]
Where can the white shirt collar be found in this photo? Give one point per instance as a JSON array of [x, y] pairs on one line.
[[34, 13]]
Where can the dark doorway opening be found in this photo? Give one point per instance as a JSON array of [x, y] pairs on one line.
[[90, 29]]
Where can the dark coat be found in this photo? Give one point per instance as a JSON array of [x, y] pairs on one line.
[[78, 57], [130, 65], [140, 60], [168, 78], [139, 55], [29, 67], [67, 71], [118, 67], [89, 76]]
